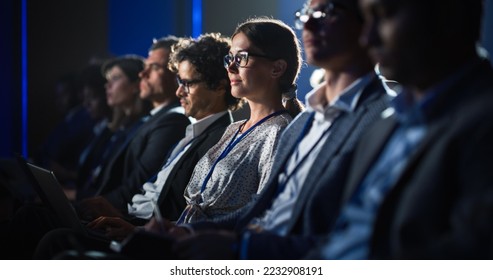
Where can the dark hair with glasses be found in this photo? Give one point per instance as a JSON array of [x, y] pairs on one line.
[[276, 40], [206, 54], [187, 83], [331, 8]]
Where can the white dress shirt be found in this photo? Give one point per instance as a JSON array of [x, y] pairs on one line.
[[142, 205]]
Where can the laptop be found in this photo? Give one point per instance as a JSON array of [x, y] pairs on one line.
[[51, 193]]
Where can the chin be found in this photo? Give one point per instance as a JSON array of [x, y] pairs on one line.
[[236, 95], [314, 59]]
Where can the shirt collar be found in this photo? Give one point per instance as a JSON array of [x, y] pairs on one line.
[[408, 110], [156, 110], [347, 100], [198, 127]]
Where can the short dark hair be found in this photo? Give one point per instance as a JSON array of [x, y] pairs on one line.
[[206, 54], [166, 42], [131, 65]]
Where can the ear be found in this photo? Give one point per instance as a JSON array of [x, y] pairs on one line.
[[221, 88], [136, 86], [279, 67]]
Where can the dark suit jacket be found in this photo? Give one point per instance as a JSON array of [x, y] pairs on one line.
[[324, 182], [171, 200], [94, 156], [111, 162], [67, 140], [442, 204], [144, 156]]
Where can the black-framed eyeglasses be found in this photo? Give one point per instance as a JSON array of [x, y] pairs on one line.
[[240, 59], [303, 15], [187, 83]]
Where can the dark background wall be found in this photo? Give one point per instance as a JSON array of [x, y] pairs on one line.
[[64, 35], [9, 76]]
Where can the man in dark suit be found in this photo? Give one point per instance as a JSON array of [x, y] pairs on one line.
[[205, 94], [136, 160], [313, 152], [421, 185], [151, 144]]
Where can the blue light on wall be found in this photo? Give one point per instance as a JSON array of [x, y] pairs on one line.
[[24, 77], [196, 18], [286, 14], [134, 34]]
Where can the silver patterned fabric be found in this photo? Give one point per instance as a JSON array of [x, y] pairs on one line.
[[237, 177]]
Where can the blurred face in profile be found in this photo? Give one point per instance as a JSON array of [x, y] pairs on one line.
[[95, 103], [400, 36], [157, 81], [120, 91], [330, 41]]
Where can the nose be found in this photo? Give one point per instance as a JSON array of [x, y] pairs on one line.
[[180, 91], [231, 68], [312, 24], [143, 73]]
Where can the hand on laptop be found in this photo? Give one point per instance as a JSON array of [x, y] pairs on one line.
[[92, 208], [115, 228], [166, 227]]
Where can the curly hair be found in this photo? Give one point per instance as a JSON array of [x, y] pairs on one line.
[[206, 54]]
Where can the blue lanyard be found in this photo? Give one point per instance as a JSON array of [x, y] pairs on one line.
[[303, 133], [234, 141]]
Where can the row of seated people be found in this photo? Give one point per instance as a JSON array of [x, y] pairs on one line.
[[81, 103], [207, 98], [89, 149], [359, 174]]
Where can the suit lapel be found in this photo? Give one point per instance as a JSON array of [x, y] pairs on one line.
[[285, 147], [382, 132], [119, 155], [289, 140], [427, 142], [342, 129], [222, 121], [332, 145]]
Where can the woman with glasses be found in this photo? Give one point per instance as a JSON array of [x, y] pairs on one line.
[[233, 170], [263, 64]]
